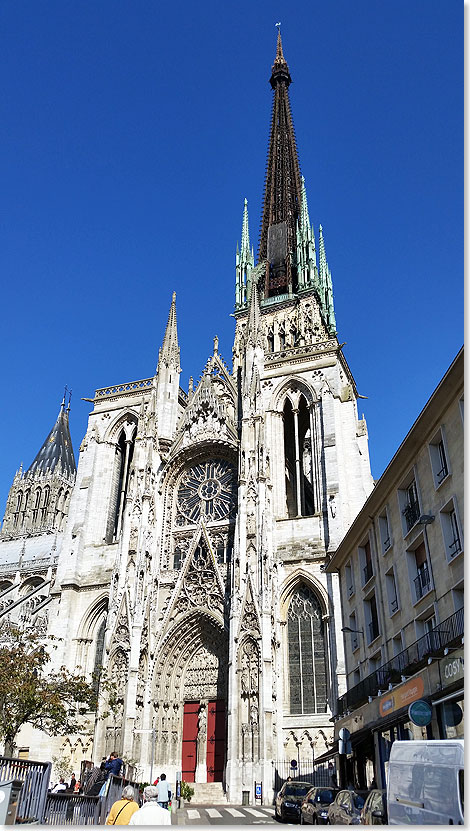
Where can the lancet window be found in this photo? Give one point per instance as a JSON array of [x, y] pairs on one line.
[[307, 653], [124, 452], [299, 467]]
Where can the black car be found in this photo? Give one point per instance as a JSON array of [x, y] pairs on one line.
[[289, 800], [314, 808], [347, 807], [374, 811]]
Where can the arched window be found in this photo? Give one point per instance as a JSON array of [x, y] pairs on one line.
[[24, 512], [122, 465], [58, 508], [298, 459], [307, 658], [99, 649], [45, 504], [37, 500], [19, 500]]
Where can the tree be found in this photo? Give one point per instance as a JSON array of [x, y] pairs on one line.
[[54, 702]]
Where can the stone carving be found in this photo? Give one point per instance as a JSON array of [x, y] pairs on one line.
[[200, 586], [207, 489], [201, 679]]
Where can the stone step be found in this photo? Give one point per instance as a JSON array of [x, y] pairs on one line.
[[208, 793]]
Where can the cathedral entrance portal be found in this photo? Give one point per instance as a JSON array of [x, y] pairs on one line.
[[203, 752]]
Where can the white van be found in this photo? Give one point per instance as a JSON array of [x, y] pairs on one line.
[[425, 782]]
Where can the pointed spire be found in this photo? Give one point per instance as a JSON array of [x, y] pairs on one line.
[[56, 452], [245, 262], [170, 352], [326, 287], [304, 217], [282, 194]]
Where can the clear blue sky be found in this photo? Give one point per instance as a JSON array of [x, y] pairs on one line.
[[131, 132]]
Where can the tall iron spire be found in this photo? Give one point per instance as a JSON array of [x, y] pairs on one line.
[[282, 194]]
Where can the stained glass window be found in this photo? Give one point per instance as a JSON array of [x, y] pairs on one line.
[[307, 660]]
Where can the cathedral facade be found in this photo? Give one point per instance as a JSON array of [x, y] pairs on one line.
[[183, 556]]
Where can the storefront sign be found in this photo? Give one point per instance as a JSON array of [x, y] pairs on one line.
[[420, 712], [451, 668], [402, 696]]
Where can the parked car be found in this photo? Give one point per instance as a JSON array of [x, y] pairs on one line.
[[314, 808], [374, 811], [289, 800], [347, 807]]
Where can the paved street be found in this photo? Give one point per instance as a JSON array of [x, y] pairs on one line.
[[223, 815]]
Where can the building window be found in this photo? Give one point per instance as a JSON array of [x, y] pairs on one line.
[[365, 558], [422, 578], [451, 530], [124, 452], [37, 500], [349, 579], [397, 644], [384, 529], [393, 603], [45, 504], [307, 659], [409, 505], [438, 454], [355, 633], [372, 620]]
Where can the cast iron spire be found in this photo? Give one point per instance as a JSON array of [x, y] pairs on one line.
[[283, 187]]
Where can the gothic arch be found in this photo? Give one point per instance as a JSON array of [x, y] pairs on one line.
[[291, 388], [90, 620], [291, 584], [114, 429]]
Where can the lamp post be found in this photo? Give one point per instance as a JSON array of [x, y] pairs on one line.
[[153, 731]]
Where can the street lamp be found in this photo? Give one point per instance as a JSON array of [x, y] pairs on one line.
[[352, 631]]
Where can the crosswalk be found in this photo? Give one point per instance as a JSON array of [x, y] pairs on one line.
[[222, 811]]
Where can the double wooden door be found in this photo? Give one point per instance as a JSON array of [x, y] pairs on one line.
[[215, 748]]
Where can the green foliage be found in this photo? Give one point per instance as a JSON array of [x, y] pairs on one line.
[[62, 767], [54, 702], [186, 791]]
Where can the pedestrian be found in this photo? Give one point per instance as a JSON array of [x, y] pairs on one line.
[[163, 792], [78, 787], [114, 764], [151, 813], [61, 786], [73, 782], [122, 810], [95, 780]]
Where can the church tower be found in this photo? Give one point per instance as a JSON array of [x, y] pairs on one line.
[[303, 475]]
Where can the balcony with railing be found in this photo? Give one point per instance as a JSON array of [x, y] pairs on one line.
[[367, 571], [411, 514], [422, 581], [446, 634]]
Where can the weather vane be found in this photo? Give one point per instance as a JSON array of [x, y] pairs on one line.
[[278, 25]]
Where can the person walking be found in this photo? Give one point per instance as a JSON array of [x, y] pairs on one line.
[[163, 792], [122, 811], [151, 812], [95, 780]]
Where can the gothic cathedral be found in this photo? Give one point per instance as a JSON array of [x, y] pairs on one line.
[[184, 554]]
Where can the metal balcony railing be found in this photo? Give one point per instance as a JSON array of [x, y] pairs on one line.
[[411, 513], [367, 571], [409, 661], [422, 581]]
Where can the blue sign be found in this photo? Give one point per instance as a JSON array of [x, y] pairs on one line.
[[293, 763], [420, 712], [258, 790]]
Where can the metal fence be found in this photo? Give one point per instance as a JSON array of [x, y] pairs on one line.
[[71, 809], [306, 771], [115, 784], [35, 778]]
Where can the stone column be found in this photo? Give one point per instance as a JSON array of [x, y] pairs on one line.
[[201, 766]]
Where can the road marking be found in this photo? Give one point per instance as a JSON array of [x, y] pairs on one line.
[[213, 812], [234, 812], [254, 812], [193, 814]]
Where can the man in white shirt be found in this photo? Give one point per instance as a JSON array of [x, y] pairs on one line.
[[61, 786], [151, 813]]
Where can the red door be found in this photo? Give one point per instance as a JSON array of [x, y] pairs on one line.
[[215, 741], [190, 717]]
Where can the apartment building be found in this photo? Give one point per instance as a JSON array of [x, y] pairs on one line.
[[401, 574]]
